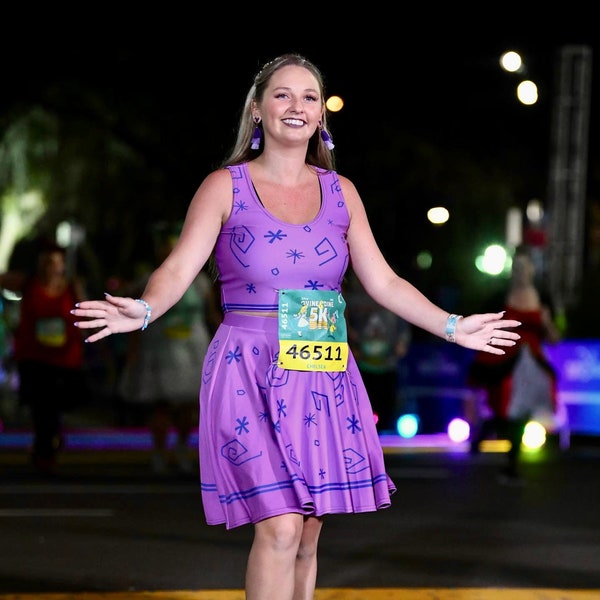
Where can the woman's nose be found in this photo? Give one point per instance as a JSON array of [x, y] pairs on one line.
[[296, 105]]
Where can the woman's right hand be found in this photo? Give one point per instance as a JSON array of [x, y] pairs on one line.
[[115, 314]]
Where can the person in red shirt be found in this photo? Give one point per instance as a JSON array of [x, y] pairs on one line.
[[522, 381], [48, 349]]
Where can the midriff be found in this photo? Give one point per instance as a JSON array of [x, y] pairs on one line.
[[255, 314]]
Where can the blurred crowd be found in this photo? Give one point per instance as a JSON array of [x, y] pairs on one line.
[[49, 377], [151, 378]]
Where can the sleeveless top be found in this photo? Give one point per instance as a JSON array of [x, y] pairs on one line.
[[257, 254], [45, 332]]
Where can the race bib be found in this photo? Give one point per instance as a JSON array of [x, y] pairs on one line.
[[178, 333], [177, 323], [312, 331], [51, 332]]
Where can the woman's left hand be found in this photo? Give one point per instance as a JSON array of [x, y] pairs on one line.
[[488, 332]]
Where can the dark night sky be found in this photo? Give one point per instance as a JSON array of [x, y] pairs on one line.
[[429, 74], [185, 68], [173, 79]]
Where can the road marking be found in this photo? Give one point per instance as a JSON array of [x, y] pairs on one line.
[[331, 594]]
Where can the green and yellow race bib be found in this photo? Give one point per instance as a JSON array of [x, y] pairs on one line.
[[312, 330], [51, 331]]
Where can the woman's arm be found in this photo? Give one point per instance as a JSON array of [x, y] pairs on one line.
[[208, 210], [401, 297]]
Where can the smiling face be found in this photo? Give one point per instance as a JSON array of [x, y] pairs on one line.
[[291, 106]]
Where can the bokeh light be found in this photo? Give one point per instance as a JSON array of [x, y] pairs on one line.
[[424, 260], [511, 61], [438, 215], [534, 436], [458, 430], [334, 103], [493, 260], [407, 425], [527, 92]]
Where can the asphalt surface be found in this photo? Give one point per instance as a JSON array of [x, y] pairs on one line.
[[106, 527]]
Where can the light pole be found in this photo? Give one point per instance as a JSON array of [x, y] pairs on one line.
[[567, 176]]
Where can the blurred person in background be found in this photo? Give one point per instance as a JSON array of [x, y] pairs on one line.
[[161, 373], [48, 349], [379, 340], [521, 383]]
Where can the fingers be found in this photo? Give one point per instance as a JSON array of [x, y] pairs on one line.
[[498, 341], [98, 336], [498, 321], [81, 311], [496, 344], [92, 305], [95, 313], [90, 324], [501, 337], [502, 323], [95, 324], [501, 334], [110, 303], [507, 323], [490, 332], [95, 318], [492, 350]]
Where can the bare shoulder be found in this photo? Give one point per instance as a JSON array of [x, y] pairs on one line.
[[215, 181], [346, 184], [351, 195], [215, 193]]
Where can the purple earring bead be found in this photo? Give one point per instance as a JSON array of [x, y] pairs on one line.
[[256, 135], [327, 139]]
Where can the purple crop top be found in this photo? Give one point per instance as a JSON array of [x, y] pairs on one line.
[[257, 254]]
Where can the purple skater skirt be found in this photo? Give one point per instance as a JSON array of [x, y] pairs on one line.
[[274, 441]]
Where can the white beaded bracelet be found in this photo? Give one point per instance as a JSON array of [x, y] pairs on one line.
[[451, 327], [148, 312]]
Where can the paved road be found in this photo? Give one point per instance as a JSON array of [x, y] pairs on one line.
[[106, 526]]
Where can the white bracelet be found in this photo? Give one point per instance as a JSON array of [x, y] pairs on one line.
[[451, 327], [148, 312]]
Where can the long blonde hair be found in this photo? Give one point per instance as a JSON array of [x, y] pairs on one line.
[[317, 153]]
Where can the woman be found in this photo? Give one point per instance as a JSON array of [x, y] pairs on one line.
[[287, 433], [521, 383], [48, 351]]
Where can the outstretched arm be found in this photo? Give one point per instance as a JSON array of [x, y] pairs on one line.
[[208, 209], [489, 332]]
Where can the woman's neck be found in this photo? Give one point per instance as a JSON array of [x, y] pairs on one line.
[[287, 168]]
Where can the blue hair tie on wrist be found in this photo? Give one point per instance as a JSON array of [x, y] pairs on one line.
[[148, 312], [451, 327]]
